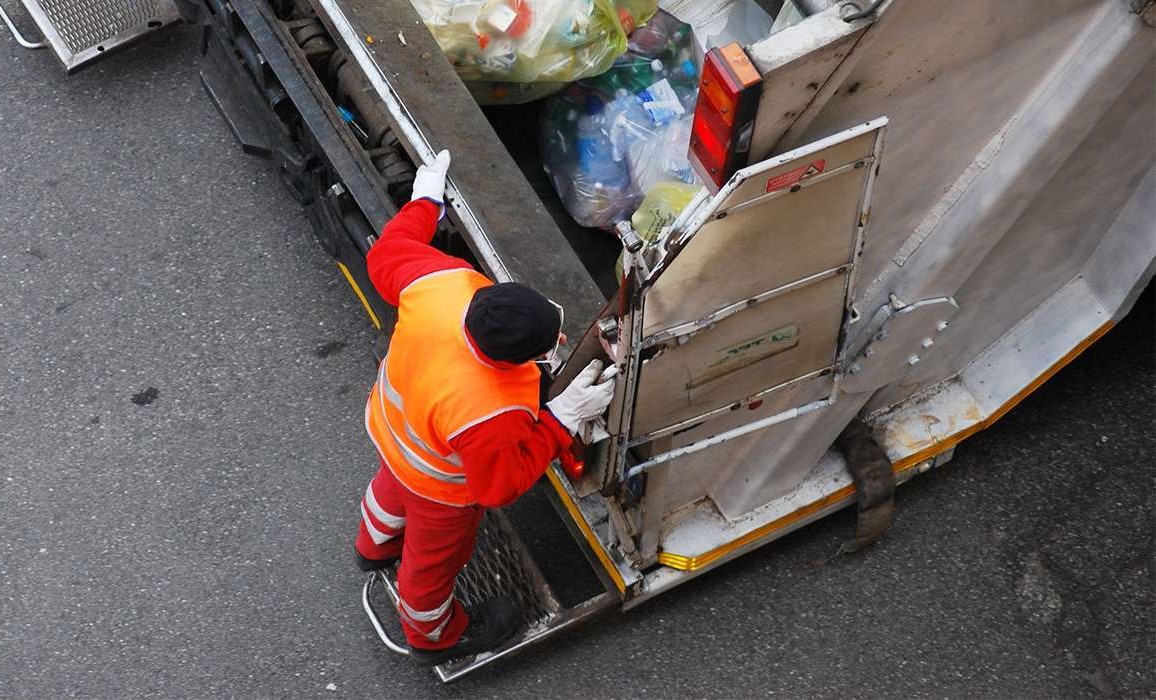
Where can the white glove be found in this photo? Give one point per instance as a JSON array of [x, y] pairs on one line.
[[585, 398], [430, 181]]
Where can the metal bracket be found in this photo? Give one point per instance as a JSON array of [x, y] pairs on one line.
[[901, 335], [727, 435], [608, 337], [851, 11], [683, 332], [1147, 11]]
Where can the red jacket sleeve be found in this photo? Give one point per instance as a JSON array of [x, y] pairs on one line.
[[403, 252], [506, 454]]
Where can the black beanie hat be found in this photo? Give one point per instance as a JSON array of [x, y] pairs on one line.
[[511, 322]]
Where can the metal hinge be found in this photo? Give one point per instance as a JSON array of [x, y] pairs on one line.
[[851, 11]]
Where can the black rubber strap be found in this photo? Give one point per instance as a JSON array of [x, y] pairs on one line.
[[874, 481]]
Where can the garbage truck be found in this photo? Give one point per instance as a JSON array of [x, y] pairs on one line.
[[915, 213]]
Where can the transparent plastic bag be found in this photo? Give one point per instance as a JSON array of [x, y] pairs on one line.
[[661, 206], [662, 157], [594, 186], [607, 140], [532, 41]]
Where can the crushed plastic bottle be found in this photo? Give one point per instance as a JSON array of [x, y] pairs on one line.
[[662, 156], [626, 122]]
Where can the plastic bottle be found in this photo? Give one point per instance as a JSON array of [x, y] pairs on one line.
[[600, 195], [626, 122], [630, 73], [660, 99]]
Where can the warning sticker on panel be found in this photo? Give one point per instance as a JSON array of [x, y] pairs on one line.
[[794, 177]]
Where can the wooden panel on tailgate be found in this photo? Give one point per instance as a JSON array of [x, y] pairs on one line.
[[521, 232]]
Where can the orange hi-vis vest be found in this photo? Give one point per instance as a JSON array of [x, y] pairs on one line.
[[433, 385]]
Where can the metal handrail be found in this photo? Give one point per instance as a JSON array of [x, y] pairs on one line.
[[17, 35], [378, 577]]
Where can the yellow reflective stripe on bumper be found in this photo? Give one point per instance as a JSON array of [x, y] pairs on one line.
[[580, 521]]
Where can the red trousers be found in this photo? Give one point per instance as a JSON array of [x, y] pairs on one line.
[[435, 541]]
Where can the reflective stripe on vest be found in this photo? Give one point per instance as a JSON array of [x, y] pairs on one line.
[[451, 471], [394, 398]]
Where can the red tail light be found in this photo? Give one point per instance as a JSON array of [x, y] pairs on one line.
[[724, 118]]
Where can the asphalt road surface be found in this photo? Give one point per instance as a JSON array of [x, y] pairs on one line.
[[181, 454]]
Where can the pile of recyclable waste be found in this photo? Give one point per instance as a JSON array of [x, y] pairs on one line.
[[620, 79], [615, 145], [515, 51]]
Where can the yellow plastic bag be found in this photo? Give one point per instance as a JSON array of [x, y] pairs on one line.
[[661, 206], [532, 41]]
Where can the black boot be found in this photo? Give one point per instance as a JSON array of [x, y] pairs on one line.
[[372, 564], [491, 623]]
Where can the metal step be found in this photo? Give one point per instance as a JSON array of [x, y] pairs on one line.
[[501, 566], [82, 31]]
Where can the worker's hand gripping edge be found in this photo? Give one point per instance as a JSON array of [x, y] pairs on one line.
[[430, 181], [586, 398]]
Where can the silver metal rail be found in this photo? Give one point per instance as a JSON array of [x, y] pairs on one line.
[[17, 35], [378, 627], [728, 435], [407, 128]]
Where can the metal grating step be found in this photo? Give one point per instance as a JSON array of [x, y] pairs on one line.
[[501, 566], [81, 31]]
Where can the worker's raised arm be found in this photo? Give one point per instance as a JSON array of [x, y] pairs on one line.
[[403, 252]]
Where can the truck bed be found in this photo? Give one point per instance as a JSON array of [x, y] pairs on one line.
[[597, 249], [513, 234]]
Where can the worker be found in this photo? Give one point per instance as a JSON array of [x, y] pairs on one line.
[[456, 419]]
